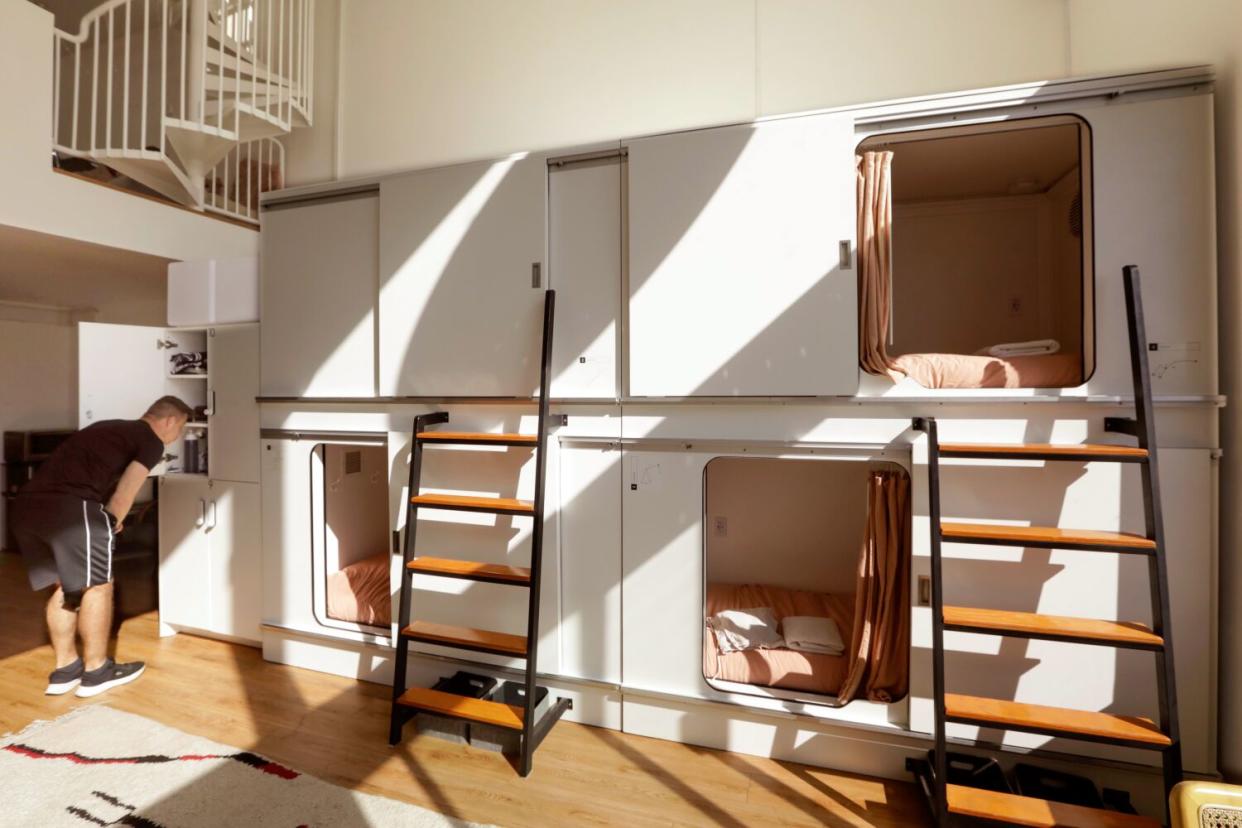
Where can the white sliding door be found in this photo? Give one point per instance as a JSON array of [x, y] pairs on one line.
[[460, 314], [584, 252], [738, 284], [318, 267]]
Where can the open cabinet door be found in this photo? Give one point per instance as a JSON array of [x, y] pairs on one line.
[[741, 263], [122, 369]]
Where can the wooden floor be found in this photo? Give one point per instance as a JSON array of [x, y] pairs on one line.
[[336, 729]]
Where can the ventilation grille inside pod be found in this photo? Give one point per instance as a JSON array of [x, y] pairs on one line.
[[1075, 215]]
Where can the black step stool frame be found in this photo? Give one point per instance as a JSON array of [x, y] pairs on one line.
[[1142, 427], [533, 732]]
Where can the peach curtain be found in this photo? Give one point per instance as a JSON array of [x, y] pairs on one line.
[[875, 235], [880, 645]]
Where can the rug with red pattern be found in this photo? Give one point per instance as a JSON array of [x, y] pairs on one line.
[[99, 766]]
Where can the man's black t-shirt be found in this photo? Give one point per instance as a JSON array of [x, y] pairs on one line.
[[89, 464]]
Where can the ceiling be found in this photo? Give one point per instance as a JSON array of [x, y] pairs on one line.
[[994, 163], [69, 13], [42, 269]]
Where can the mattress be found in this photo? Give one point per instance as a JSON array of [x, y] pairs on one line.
[[360, 592], [1061, 370], [783, 668]]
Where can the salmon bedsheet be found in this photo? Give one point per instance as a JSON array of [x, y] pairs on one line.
[[783, 668], [1062, 370], [360, 592]]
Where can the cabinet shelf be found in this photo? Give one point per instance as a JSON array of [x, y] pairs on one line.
[[171, 375]]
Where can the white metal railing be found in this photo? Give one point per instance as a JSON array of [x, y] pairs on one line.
[[233, 186], [179, 81]]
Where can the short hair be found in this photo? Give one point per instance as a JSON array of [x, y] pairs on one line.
[[169, 407]]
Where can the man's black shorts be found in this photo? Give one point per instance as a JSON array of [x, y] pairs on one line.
[[64, 540]]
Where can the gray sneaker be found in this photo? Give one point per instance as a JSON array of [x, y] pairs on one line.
[[64, 679], [109, 675]]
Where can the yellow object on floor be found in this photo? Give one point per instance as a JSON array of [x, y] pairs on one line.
[[1206, 805]]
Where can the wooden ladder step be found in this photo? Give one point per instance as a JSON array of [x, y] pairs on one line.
[[470, 570], [470, 503], [1132, 731], [478, 438], [1044, 451], [467, 638], [1046, 537], [463, 707], [1036, 813], [1129, 634]]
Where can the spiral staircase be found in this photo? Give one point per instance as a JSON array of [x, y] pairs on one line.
[[189, 98]]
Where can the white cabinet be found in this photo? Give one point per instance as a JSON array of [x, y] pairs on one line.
[[458, 312], [741, 274], [213, 292], [233, 439], [210, 558], [584, 264], [184, 565], [318, 270]]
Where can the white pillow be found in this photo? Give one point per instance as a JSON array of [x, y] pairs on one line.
[[812, 634], [746, 629]]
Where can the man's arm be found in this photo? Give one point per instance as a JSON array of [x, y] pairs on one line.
[[126, 490]]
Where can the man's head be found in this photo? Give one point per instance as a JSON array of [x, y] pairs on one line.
[[167, 417]]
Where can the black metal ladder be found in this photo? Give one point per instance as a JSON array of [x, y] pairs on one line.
[[406, 702], [951, 804]]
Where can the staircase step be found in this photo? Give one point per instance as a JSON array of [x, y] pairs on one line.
[[467, 638], [471, 571], [462, 707], [482, 439], [1046, 537], [1044, 451], [1129, 634], [1133, 731], [1036, 813], [470, 503]]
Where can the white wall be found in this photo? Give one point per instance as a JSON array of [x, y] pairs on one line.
[[36, 198], [310, 152], [41, 361], [355, 505], [796, 524], [424, 83], [1117, 35]]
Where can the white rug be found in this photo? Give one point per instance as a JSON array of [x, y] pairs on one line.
[[98, 766]]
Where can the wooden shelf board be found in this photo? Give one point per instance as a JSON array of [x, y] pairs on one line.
[[1036, 813], [1132, 730], [1044, 536], [467, 637], [1058, 627], [449, 568], [462, 707]]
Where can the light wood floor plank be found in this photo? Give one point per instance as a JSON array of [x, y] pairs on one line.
[[336, 729]]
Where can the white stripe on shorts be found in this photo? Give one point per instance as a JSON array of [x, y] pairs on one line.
[[108, 523], [87, 523]]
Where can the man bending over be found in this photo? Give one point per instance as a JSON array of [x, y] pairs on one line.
[[64, 521]]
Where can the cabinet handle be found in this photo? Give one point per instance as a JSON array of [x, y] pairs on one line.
[[211, 406], [213, 516], [202, 514]]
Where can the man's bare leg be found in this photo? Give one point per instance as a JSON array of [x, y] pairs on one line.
[[94, 625], [62, 626]]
